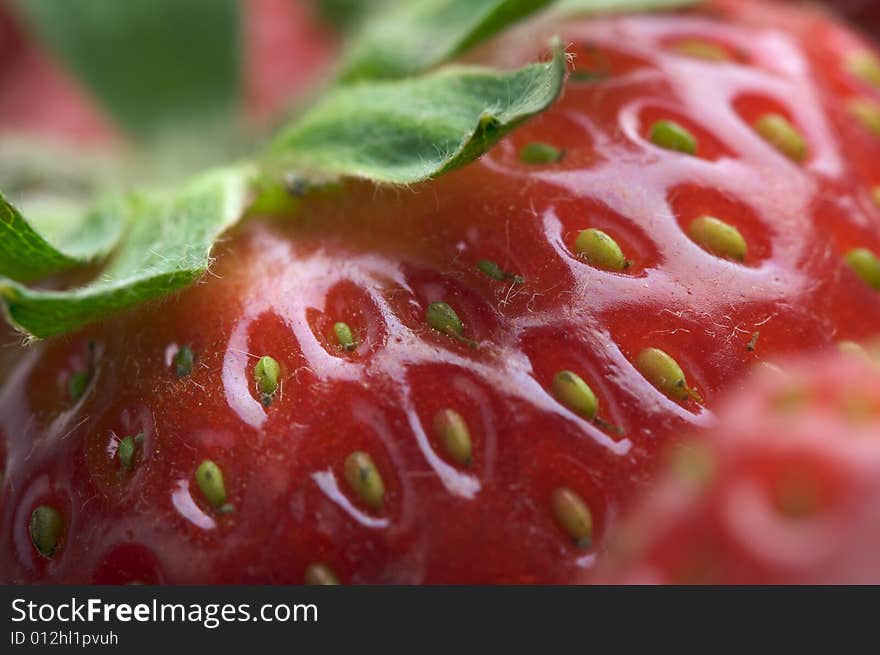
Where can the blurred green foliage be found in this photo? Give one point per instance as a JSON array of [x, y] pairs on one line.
[[348, 14], [154, 64]]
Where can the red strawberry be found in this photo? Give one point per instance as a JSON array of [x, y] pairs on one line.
[[499, 441], [785, 490]]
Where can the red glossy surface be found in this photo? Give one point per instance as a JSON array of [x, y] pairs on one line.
[[376, 258]]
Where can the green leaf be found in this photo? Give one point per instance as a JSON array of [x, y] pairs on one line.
[[414, 129], [166, 247], [619, 6], [416, 35], [348, 14], [406, 131], [388, 131], [27, 254], [152, 63]]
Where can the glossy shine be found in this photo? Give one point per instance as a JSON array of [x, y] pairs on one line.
[[377, 259]]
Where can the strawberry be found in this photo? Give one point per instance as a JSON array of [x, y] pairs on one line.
[[784, 490], [470, 380]]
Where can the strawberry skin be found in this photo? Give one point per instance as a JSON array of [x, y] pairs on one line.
[[348, 464], [784, 490]]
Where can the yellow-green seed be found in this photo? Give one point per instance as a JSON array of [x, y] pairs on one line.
[[540, 153], [778, 131], [875, 195], [345, 336], [571, 390], [209, 479], [443, 318], [866, 265], [452, 431], [718, 237], [490, 269], [183, 361], [320, 575], [79, 381], [600, 250], [267, 373], [867, 113], [364, 479], [661, 370], [866, 67], [46, 528], [77, 384], [701, 49], [672, 136], [126, 449], [573, 515]]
